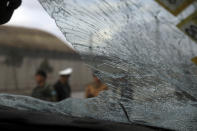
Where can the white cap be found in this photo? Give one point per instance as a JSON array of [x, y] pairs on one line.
[[67, 71]]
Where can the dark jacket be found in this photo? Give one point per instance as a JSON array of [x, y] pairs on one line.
[[62, 90], [44, 93]]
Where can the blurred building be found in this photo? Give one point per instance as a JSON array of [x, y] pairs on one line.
[[23, 51]]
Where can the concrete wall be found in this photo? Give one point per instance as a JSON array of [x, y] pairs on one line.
[[23, 51], [20, 79]]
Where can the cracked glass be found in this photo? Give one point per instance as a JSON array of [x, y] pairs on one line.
[[138, 51]]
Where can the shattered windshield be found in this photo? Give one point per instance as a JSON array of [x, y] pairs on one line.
[[144, 50]]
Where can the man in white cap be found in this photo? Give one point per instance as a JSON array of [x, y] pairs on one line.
[[62, 86]]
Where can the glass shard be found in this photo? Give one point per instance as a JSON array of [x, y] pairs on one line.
[[139, 52]]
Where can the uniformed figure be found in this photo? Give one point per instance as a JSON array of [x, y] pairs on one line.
[[95, 88], [62, 86], [42, 90]]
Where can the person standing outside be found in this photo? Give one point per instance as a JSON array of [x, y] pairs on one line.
[[95, 87], [43, 91], [62, 86]]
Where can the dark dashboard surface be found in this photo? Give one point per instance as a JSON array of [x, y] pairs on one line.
[[12, 119]]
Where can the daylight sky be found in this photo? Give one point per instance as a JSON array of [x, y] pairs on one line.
[[32, 15]]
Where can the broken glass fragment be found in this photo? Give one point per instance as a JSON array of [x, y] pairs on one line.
[[139, 52]]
